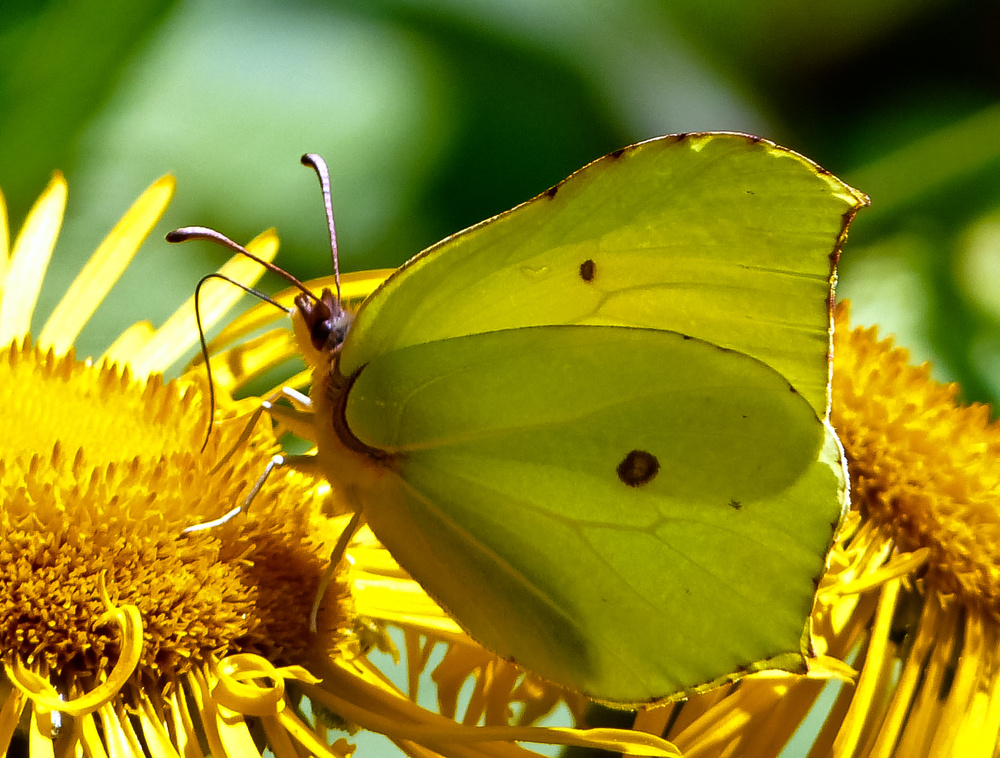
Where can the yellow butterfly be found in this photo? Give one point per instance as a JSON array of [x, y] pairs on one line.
[[594, 427]]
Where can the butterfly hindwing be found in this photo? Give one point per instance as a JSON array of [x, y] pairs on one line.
[[508, 491]]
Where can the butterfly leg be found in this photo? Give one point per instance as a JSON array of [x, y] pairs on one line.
[[335, 557], [298, 419], [276, 460], [294, 419]]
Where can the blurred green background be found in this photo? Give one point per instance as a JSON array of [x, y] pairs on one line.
[[434, 115]]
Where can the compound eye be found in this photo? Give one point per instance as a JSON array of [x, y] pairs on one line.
[[319, 333]]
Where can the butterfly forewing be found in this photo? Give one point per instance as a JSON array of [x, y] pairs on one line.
[[719, 236]]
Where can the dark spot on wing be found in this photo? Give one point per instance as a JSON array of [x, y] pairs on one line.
[[588, 269], [735, 504], [551, 192], [638, 468], [617, 153]]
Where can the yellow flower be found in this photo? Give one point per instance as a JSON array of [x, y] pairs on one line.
[[117, 628], [121, 633], [910, 597]]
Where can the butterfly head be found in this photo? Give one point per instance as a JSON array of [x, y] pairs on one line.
[[320, 322]]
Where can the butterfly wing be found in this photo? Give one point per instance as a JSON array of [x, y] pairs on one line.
[[626, 511], [724, 237], [592, 426]]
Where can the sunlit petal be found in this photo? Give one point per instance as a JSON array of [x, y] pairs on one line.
[[29, 260], [105, 266], [4, 241]]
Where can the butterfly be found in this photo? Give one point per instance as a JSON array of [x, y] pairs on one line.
[[594, 427]]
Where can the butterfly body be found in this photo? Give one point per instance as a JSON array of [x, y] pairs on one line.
[[548, 418]]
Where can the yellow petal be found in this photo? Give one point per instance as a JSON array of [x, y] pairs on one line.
[[10, 714], [154, 732], [30, 259], [238, 689], [225, 730], [129, 342], [92, 738], [287, 723], [4, 241], [251, 358], [119, 737], [47, 698], [105, 267], [39, 741]]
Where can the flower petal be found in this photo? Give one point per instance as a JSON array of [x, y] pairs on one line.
[[237, 687], [129, 342], [30, 259], [10, 715], [47, 698], [117, 733], [39, 741], [4, 241], [105, 267], [225, 730], [251, 358], [154, 730]]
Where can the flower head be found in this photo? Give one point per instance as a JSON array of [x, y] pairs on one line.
[[105, 600]]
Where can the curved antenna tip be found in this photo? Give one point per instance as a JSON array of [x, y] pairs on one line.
[[180, 235], [313, 160], [186, 233]]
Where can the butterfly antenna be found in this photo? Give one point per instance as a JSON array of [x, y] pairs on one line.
[[204, 354], [317, 164], [186, 233], [204, 343]]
